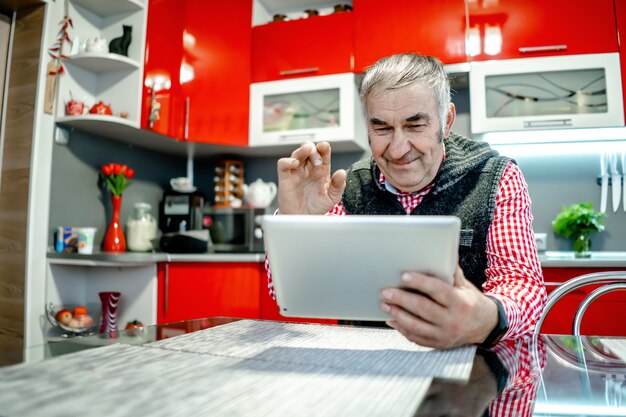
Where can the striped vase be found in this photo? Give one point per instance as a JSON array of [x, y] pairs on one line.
[[110, 300]]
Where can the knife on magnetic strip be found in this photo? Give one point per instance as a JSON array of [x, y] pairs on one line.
[[616, 182], [624, 176], [604, 176]]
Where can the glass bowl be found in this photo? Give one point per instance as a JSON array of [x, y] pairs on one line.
[[69, 324]]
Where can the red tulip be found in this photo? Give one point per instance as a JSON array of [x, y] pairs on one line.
[[116, 177]]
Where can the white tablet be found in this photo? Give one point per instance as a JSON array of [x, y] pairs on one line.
[[336, 266]]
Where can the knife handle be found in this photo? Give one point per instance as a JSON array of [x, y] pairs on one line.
[[610, 181]]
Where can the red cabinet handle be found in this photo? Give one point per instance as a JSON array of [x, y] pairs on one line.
[[186, 128], [547, 48], [166, 289], [299, 71], [154, 110], [301, 137]]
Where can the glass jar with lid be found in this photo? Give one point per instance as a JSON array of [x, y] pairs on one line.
[[141, 228]]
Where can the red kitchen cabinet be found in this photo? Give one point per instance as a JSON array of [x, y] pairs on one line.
[[204, 47], [197, 290], [216, 70], [318, 45], [161, 88], [602, 318], [514, 29], [428, 27]]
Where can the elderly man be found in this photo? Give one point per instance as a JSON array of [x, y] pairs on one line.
[[419, 167]]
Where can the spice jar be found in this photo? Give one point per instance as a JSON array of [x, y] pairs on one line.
[[141, 228], [339, 8], [279, 18]]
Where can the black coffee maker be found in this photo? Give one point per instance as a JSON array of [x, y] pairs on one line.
[[180, 211]]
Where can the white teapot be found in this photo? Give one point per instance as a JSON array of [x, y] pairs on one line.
[[99, 45], [259, 193]]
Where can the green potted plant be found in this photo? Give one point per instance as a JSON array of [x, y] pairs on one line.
[[579, 222]]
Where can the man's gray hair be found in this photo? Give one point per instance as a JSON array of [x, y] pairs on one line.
[[398, 71]]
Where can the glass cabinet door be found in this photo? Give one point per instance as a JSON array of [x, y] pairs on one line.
[[551, 92], [574, 91], [323, 108], [317, 109]]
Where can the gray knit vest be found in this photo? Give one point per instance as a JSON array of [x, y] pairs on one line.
[[466, 186]]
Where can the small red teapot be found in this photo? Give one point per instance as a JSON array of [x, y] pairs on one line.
[[101, 108]]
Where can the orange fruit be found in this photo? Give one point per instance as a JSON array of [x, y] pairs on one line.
[[80, 311]]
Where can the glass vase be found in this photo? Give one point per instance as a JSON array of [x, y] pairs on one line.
[[110, 301], [582, 246], [114, 239]]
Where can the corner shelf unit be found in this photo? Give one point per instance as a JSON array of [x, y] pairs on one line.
[[92, 77]]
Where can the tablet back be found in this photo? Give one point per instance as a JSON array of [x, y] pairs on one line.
[[335, 266]]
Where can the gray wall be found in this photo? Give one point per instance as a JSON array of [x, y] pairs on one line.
[[555, 181], [77, 198]]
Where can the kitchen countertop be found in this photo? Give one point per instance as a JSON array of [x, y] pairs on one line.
[[547, 259], [147, 258], [600, 259]]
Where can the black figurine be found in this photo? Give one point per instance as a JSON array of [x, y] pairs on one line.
[[120, 45]]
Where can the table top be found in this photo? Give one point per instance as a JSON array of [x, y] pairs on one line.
[[550, 376]]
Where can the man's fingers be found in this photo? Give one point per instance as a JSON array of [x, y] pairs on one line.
[[438, 290], [337, 185], [307, 151], [287, 164], [323, 149]]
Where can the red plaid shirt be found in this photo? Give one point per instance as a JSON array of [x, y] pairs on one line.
[[513, 272], [524, 359]]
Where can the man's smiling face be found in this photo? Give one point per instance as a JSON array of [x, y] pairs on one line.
[[405, 135]]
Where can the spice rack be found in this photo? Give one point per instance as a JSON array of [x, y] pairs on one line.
[[228, 183]]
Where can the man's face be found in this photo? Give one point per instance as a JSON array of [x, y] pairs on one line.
[[404, 132]]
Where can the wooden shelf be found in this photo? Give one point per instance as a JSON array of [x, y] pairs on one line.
[[100, 63], [110, 7]]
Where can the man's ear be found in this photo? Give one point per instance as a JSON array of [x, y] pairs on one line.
[[450, 120]]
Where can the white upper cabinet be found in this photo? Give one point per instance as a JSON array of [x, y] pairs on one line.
[[323, 108]]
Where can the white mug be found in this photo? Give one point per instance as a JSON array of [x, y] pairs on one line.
[[181, 183], [85, 240]]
